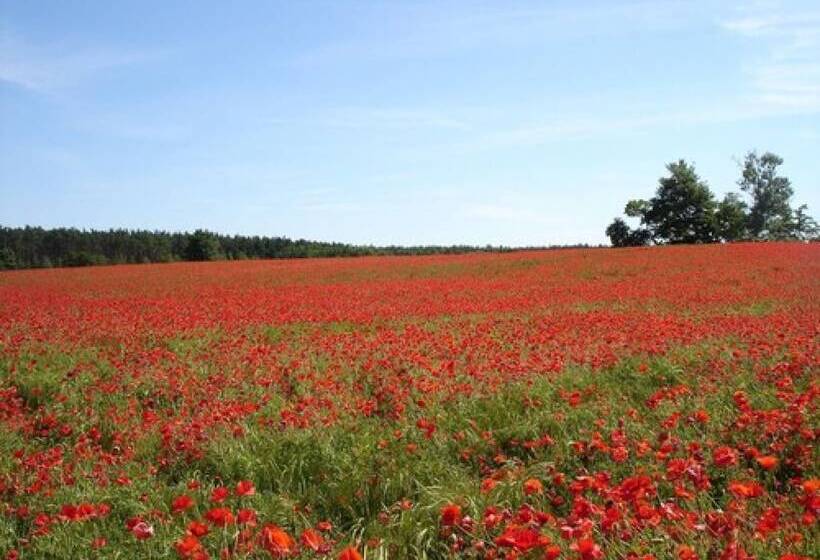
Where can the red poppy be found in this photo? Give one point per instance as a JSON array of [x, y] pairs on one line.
[[219, 494], [277, 542], [533, 486], [521, 538], [767, 462], [245, 488], [181, 503], [142, 530], [724, 456], [246, 517], [745, 489], [198, 529], [450, 515], [350, 553], [220, 516], [587, 549], [312, 539], [188, 547]]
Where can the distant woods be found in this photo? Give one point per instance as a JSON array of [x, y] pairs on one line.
[[35, 247], [684, 209]]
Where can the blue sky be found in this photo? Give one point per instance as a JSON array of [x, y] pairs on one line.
[[410, 122]]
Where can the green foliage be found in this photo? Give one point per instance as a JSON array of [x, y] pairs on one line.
[[770, 213], [8, 260], [682, 209], [620, 235], [35, 247], [203, 246], [805, 226], [730, 218]]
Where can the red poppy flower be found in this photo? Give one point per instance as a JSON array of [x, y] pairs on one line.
[[312, 539], [450, 515], [587, 549], [724, 456], [198, 529], [188, 547], [767, 462], [245, 488], [142, 530], [521, 538], [181, 503], [277, 542], [533, 486], [220, 516], [745, 489], [246, 517], [350, 553], [219, 494]]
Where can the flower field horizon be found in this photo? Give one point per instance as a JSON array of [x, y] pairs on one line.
[[646, 403]]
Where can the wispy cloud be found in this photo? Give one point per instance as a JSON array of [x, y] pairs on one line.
[[45, 69], [423, 30], [788, 75], [377, 118], [563, 128]]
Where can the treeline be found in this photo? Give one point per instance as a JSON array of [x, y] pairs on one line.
[[36, 247], [684, 209]]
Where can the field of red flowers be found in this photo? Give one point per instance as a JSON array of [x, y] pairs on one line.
[[576, 404]]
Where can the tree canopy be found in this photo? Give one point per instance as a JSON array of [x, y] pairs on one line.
[[684, 209], [35, 247]]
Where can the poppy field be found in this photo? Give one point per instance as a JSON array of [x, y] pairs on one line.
[[647, 403]]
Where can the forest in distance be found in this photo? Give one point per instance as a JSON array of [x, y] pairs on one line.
[[683, 210]]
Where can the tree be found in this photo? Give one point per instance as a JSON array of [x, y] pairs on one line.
[[8, 260], [730, 218], [770, 215], [805, 227], [618, 233], [682, 210], [203, 246]]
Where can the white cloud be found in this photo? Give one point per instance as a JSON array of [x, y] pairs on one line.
[[377, 118], [430, 29], [788, 74], [46, 69]]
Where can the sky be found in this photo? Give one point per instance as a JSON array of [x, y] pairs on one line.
[[396, 122]]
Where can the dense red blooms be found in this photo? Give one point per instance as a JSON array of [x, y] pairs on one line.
[[745, 489], [521, 538], [641, 403], [450, 515], [220, 516]]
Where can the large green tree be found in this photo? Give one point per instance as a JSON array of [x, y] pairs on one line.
[[731, 218], [682, 210], [770, 214]]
